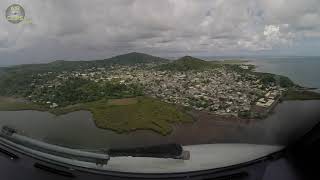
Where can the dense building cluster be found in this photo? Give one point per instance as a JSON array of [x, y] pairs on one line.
[[218, 90]]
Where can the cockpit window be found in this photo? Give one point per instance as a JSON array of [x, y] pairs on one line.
[[158, 79]]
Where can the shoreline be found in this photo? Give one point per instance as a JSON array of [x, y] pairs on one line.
[[196, 116], [100, 109], [279, 128], [120, 124]]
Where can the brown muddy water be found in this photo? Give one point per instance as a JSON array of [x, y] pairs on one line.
[[289, 121]]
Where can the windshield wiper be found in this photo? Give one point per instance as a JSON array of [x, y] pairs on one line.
[[174, 151], [12, 135]]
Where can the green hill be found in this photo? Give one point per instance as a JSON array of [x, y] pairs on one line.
[[187, 63], [16, 78], [133, 58], [61, 65]]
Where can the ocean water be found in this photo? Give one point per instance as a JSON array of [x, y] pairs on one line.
[[304, 71]]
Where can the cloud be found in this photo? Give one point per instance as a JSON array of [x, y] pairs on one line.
[[79, 29]]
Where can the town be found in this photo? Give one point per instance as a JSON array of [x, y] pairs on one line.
[[216, 90]]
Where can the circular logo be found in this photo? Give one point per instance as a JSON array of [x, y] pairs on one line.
[[15, 13]]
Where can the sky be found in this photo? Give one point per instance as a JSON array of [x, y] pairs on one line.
[[98, 29]]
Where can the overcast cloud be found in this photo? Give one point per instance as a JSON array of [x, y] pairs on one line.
[[95, 29]]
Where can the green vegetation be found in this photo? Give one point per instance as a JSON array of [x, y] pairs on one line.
[[245, 114], [146, 113], [77, 90], [73, 91], [133, 58], [12, 104], [232, 61], [16, 79], [293, 94], [61, 65], [268, 78], [114, 94], [237, 68], [187, 63], [119, 115], [15, 83]]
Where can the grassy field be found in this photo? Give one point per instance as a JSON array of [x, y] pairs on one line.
[[132, 114], [13, 104], [119, 115]]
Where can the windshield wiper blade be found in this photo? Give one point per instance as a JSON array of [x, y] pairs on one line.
[[174, 151]]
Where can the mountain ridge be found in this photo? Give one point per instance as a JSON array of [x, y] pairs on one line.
[[187, 63], [64, 65], [184, 63]]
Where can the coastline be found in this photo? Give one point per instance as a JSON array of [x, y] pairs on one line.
[[118, 118], [289, 120], [101, 120], [297, 87], [301, 70]]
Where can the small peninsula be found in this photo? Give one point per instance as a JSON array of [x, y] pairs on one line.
[[137, 91]]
